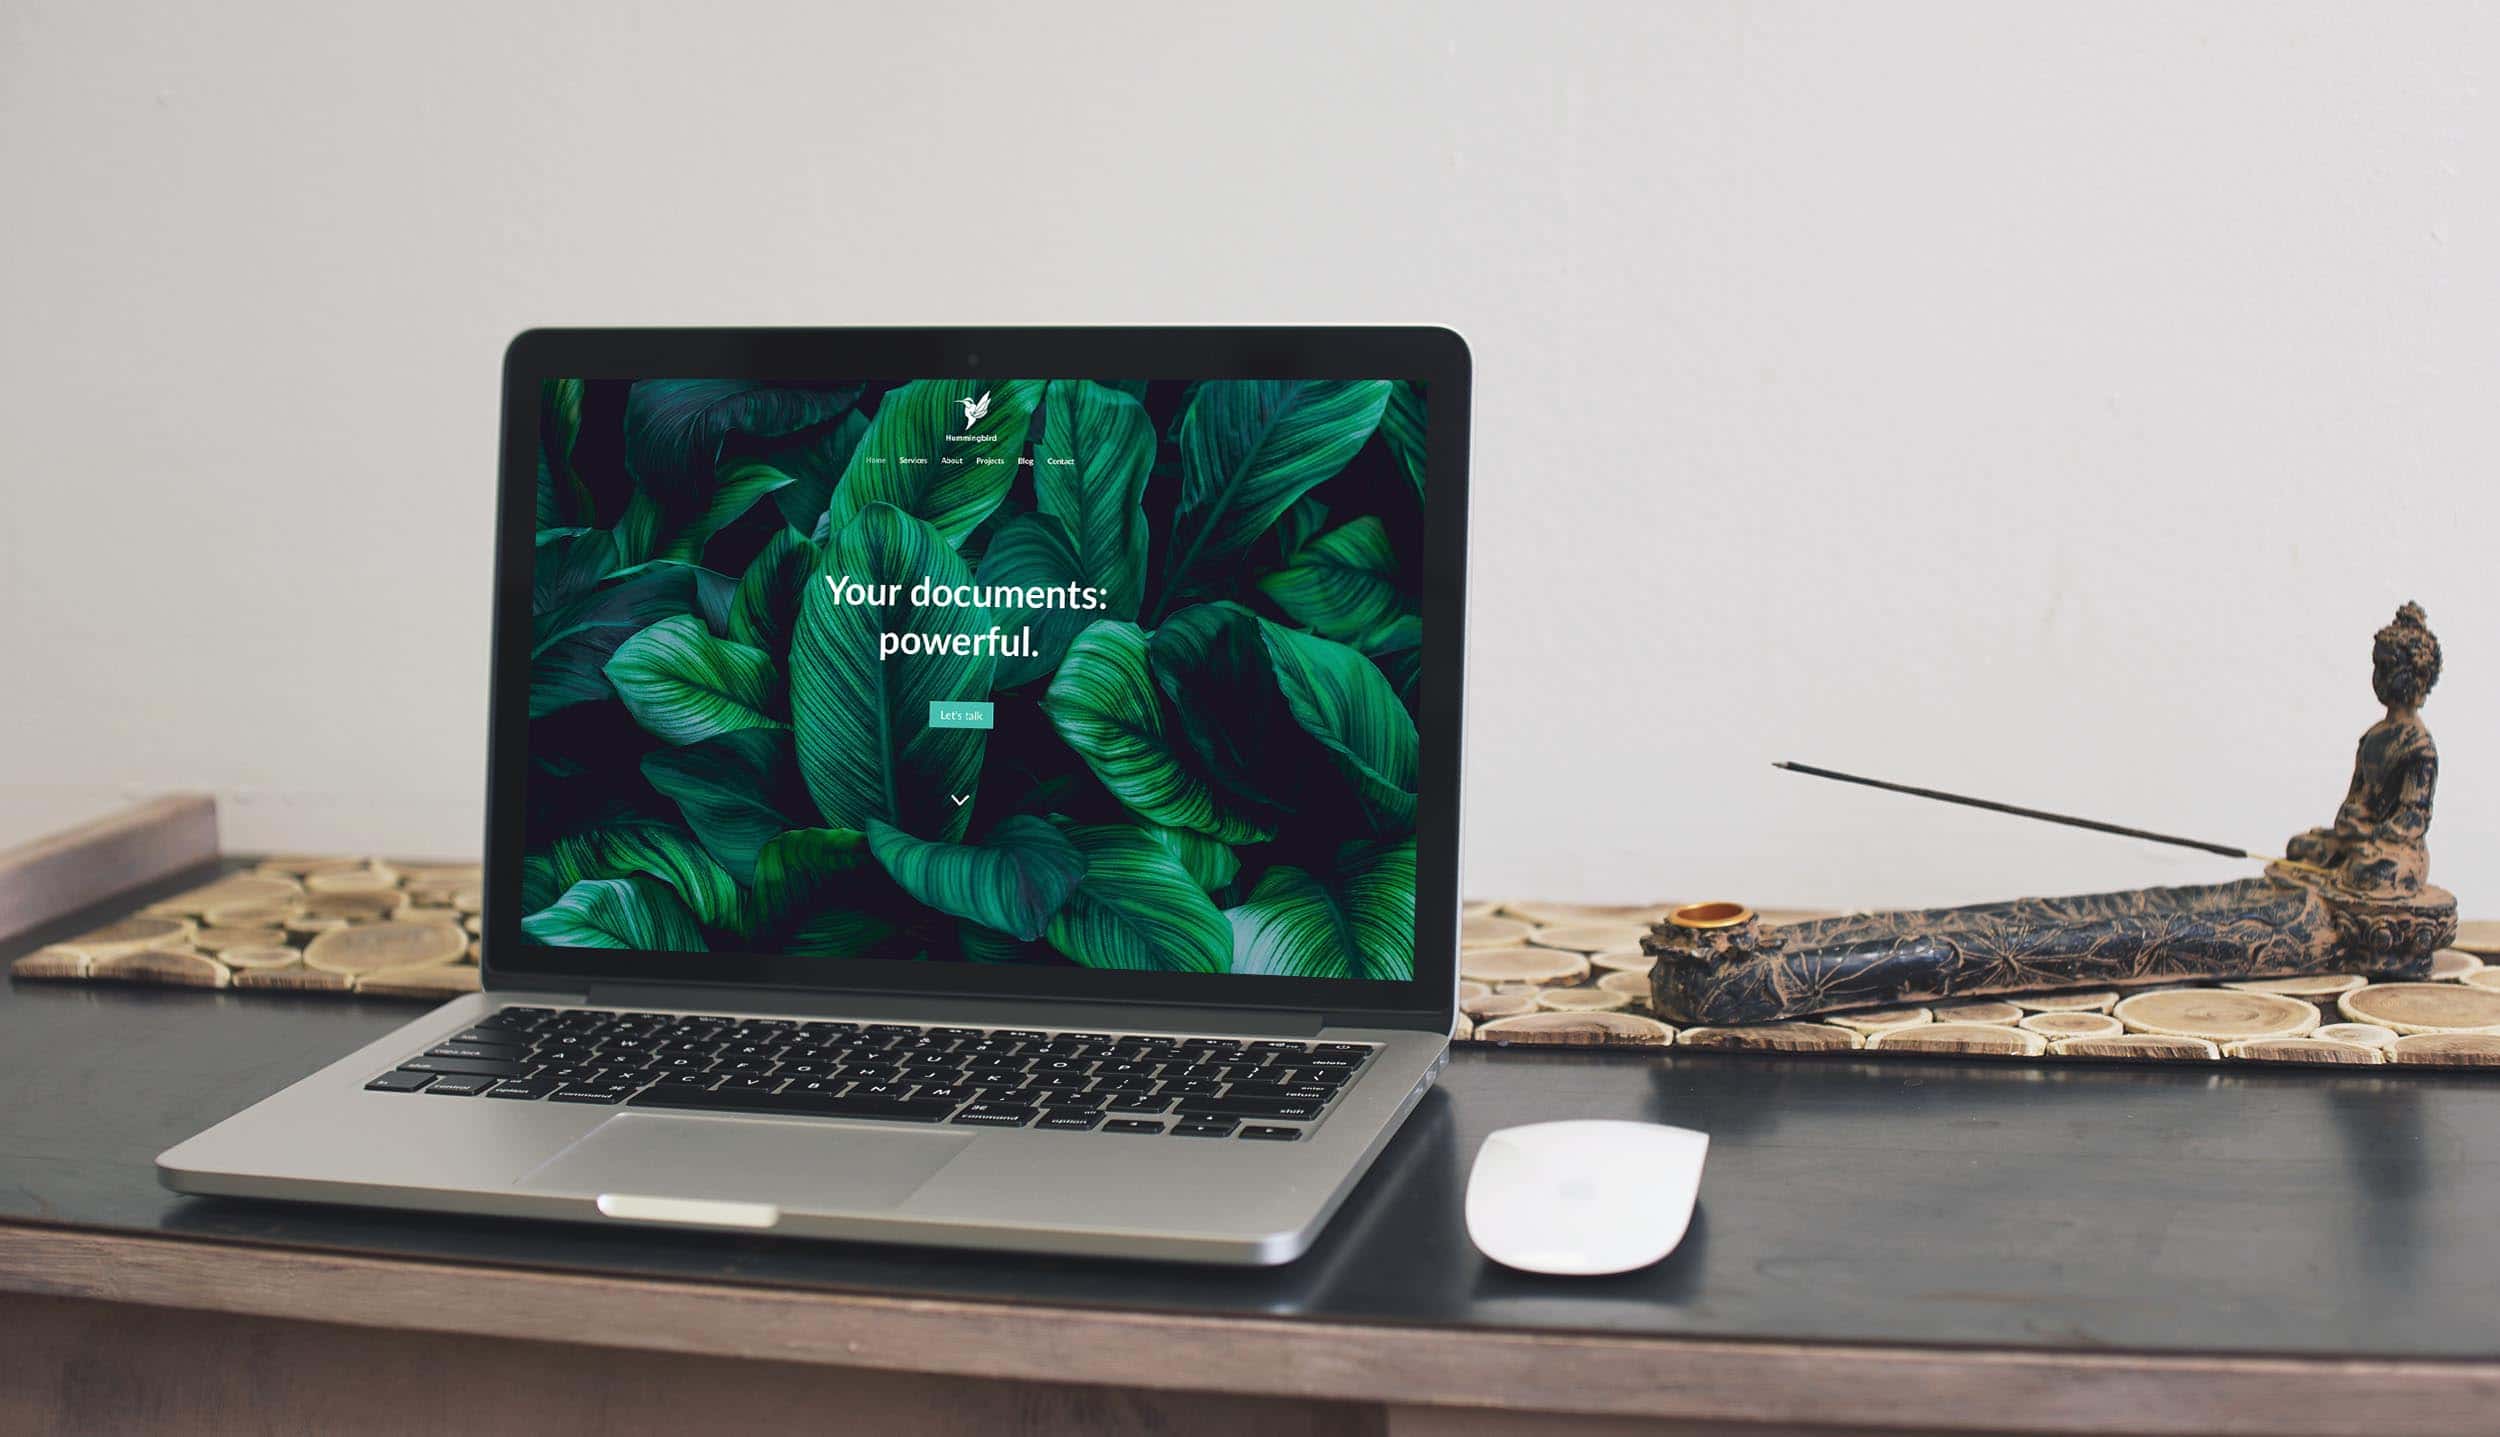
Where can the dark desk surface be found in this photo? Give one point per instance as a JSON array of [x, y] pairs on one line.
[[2156, 1210]]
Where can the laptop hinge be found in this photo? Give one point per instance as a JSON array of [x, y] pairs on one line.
[[972, 1011]]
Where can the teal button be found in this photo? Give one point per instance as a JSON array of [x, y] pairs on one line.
[[959, 713]]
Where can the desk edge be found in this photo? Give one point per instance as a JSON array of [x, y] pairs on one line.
[[1927, 1388]]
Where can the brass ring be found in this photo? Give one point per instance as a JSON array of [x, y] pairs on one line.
[[1710, 915]]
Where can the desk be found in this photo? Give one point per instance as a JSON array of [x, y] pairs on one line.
[[1946, 1246]]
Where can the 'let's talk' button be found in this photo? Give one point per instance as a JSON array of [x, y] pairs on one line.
[[961, 713]]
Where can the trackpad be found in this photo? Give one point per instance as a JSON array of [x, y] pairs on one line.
[[792, 1166]]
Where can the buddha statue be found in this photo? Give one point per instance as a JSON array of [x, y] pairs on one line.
[[2376, 845]]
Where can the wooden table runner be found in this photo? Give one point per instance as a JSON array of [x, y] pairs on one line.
[[1557, 973], [373, 927], [1530, 973]]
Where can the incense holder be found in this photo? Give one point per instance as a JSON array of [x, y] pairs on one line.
[[2351, 897], [2284, 925]]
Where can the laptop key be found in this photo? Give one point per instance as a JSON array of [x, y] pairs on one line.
[[1298, 1092], [609, 1096], [1257, 1133], [1131, 1125], [1140, 1103], [995, 1115], [499, 1037], [476, 1067], [852, 1105], [688, 1095], [402, 1081], [1206, 1128], [457, 1086], [521, 1089], [797, 1104], [1071, 1119], [1232, 1107]]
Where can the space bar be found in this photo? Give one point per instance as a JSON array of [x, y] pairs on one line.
[[814, 1105]]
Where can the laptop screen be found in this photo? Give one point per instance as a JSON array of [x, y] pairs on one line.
[[1074, 673]]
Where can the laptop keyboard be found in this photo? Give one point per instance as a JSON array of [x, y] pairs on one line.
[[1270, 1090]]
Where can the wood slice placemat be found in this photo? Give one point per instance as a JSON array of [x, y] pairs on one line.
[[369, 927], [1530, 973]]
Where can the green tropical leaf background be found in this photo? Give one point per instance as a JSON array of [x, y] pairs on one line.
[[1190, 607]]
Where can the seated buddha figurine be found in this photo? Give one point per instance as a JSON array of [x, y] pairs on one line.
[[2376, 845]]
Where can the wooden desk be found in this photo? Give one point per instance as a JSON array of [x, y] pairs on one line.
[[1934, 1247]]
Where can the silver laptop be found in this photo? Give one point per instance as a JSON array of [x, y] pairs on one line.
[[995, 789]]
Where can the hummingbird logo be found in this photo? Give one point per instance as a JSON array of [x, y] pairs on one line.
[[975, 410]]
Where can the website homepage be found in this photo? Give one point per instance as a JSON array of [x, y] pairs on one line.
[[1097, 673]]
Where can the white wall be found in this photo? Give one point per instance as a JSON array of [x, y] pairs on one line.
[[2044, 400]]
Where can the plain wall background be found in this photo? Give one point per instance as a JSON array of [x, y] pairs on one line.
[[2041, 400]]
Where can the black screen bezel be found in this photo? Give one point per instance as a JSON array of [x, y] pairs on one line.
[[1436, 357]]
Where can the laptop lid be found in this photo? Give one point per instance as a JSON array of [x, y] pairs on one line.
[[1101, 664]]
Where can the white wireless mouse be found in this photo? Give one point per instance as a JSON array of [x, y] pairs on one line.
[[1582, 1198]]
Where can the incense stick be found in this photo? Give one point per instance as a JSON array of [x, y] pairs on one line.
[[2094, 824]]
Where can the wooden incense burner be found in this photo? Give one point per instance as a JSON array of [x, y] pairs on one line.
[[2349, 898]]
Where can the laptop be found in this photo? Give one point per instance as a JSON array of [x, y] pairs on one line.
[[986, 788]]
